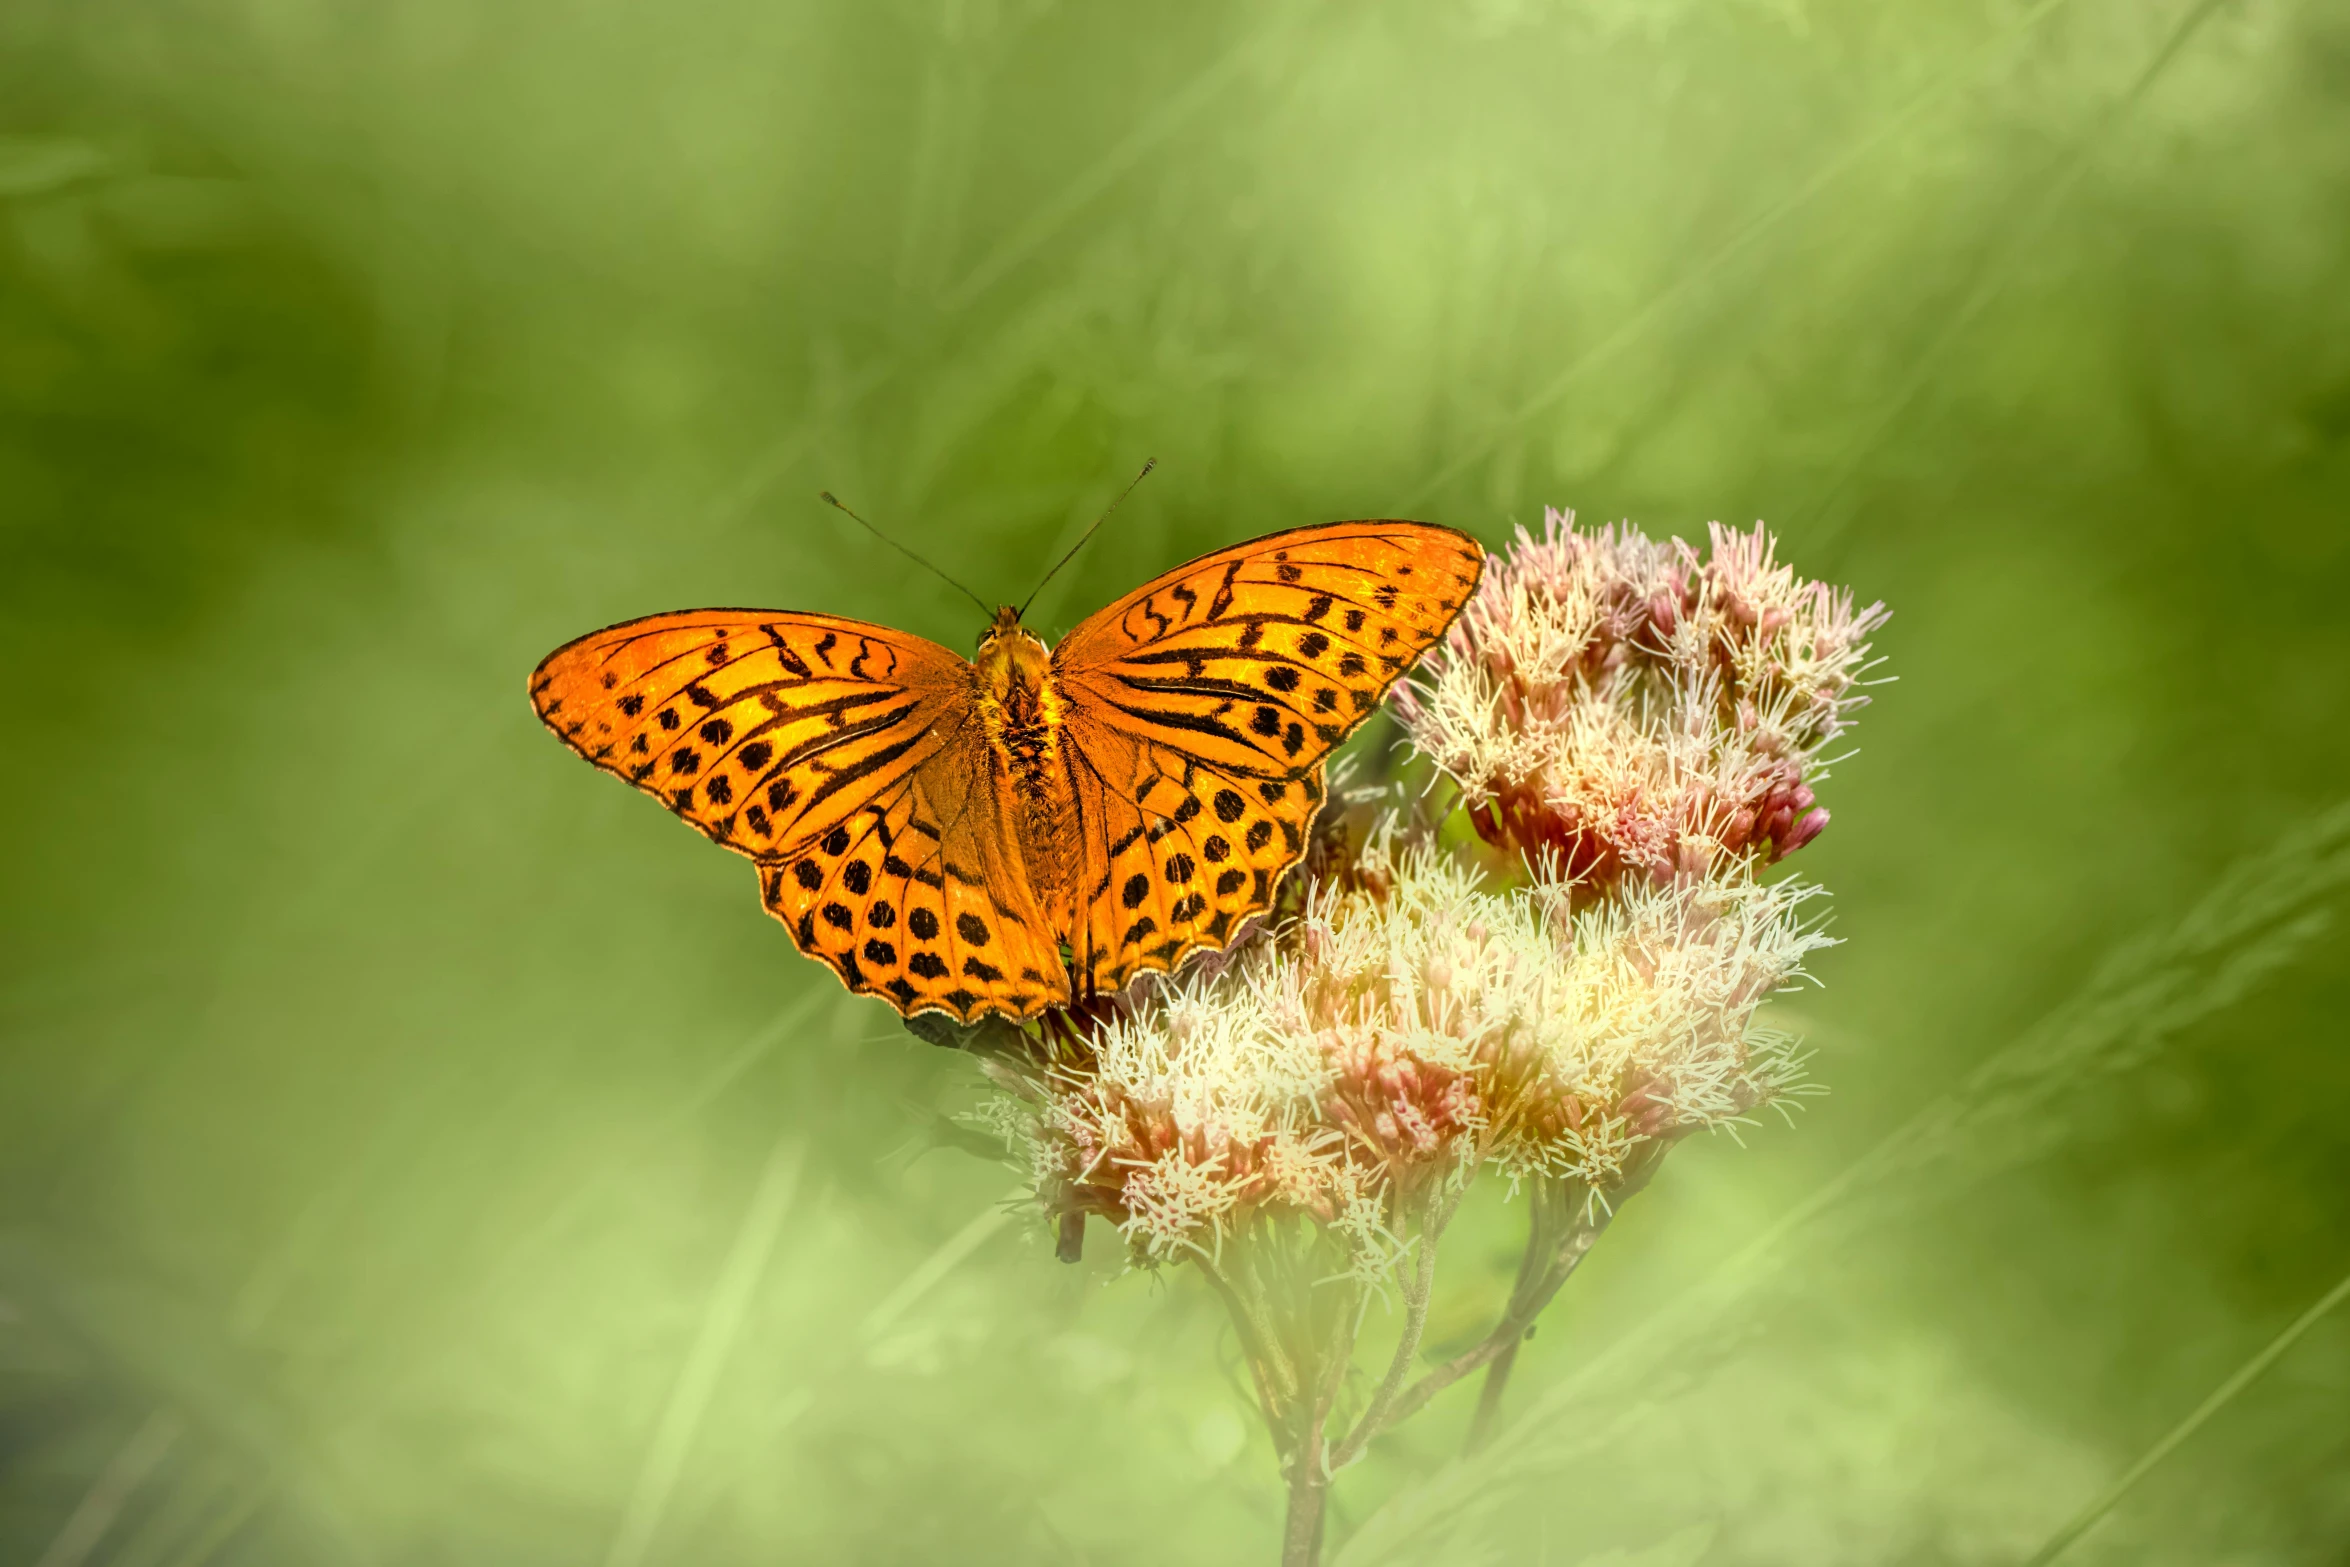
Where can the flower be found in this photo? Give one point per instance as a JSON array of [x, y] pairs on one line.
[[1623, 708], [1648, 1030], [1639, 729], [1409, 1027], [1643, 726]]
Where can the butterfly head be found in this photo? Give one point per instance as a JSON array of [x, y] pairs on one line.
[[1010, 653]]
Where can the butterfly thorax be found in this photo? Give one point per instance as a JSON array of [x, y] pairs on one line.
[[1021, 706]]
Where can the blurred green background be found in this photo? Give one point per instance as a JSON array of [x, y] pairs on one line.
[[416, 1148]]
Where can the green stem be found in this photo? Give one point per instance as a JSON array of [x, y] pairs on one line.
[[1417, 1292], [1309, 1498], [1576, 1228]]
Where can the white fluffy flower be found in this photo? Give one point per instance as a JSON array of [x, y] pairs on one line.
[[1648, 1028], [1394, 1038]]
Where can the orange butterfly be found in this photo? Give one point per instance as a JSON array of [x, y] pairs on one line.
[[1003, 833]]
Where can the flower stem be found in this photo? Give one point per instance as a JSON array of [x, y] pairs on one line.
[[1309, 1496], [1557, 1241], [1417, 1291], [1297, 1330], [1497, 1378]]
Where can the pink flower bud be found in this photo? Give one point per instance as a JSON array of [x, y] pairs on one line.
[[1804, 831]]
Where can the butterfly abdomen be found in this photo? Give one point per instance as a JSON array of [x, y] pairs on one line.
[[1022, 710]]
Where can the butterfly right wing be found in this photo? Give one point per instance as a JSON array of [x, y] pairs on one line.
[[919, 898], [1175, 853], [1204, 704]]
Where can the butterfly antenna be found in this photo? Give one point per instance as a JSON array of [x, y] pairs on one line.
[[833, 501], [1089, 533]]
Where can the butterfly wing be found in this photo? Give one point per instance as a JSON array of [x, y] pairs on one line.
[[762, 729], [1202, 706], [918, 895], [1174, 854], [846, 759]]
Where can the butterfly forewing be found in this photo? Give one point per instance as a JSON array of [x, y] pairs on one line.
[[1258, 659], [762, 729], [1201, 708]]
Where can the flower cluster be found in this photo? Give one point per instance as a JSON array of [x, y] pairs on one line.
[[1642, 727], [1628, 708], [1388, 1040]]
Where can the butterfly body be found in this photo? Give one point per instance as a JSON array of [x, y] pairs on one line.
[[1009, 832], [1021, 711]]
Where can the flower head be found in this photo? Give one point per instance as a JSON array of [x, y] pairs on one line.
[[1622, 707], [1396, 1037], [1648, 1030]]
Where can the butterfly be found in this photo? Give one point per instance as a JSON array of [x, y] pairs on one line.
[[1013, 831]]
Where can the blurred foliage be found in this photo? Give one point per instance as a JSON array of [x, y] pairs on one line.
[[414, 1148]]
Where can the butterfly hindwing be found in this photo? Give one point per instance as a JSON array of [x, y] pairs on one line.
[[763, 729], [914, 897], [1260, 658], [1176, 855]]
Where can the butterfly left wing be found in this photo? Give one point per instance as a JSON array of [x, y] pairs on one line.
[[1204, 704], [761, 728], [919, 897]]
